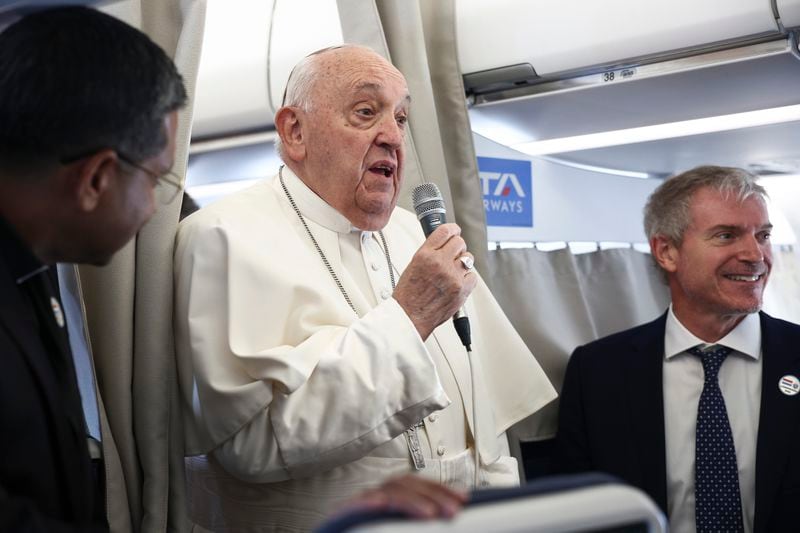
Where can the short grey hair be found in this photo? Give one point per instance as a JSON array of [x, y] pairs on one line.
[[667, 210], [302, 79]]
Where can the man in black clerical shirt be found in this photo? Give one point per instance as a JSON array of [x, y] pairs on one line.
[[88, 112]]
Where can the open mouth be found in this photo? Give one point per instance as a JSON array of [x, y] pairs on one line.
[[383, 168], [745, 277]]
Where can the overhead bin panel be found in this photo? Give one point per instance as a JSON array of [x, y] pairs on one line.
[[554, 36], [766, 149], [248, 50], [231, 91], [789, 12], [739, 80], [299, 28]]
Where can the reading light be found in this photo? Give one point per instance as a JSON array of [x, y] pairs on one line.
[[670, 130]]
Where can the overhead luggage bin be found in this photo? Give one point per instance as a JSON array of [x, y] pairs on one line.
[[557, 37], [789, 13], [248, 50], [584, 82], [737, 80]]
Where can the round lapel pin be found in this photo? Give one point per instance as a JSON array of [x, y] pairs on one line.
[[58, 314], [789, 385]]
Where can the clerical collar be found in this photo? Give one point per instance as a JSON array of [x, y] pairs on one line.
[[313, 207], [16, 254]]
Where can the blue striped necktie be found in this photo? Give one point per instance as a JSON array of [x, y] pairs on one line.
[[718, 504]]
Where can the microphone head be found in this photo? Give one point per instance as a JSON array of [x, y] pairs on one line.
[[427, 199]]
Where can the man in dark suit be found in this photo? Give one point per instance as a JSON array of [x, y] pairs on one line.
[[87, 130], [698, 408]]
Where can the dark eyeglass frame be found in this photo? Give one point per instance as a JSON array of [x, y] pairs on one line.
[[169, 177]]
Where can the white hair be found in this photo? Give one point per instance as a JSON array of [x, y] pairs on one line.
[[300, 84]]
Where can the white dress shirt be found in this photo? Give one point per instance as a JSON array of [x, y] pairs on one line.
[[740, 382]]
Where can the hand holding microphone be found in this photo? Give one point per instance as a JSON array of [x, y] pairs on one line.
[[439, 277]]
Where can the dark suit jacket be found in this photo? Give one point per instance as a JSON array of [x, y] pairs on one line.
[[45, 471], [612, 417]]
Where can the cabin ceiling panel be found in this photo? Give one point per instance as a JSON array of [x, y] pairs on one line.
[[764, 149], [745, 85]]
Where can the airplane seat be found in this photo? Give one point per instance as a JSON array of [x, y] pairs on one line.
[[582, 502], [538, 458]]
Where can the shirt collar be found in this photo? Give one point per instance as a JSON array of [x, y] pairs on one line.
[[744, 338], [19, 258], [313, 206]]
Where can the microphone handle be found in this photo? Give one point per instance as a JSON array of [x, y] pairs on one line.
[[460, 319], [461, 323]]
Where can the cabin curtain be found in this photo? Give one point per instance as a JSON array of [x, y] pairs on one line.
[[419, 38], [558, 301], [128, 311]]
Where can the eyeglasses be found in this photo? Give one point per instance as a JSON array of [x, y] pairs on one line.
[[168, 182]]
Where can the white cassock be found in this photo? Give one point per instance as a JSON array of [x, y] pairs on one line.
[[301, 401]]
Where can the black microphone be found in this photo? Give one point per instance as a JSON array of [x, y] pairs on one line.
[[429, 206]]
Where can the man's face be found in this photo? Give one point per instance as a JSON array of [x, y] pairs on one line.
[[721, 268], [354, 135], [132, 200]]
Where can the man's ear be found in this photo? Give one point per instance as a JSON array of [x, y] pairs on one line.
[[665, 252], [93, 177], [289, 127]]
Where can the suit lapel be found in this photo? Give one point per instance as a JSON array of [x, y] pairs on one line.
[[25, 335], [62, 358], [778, 414], [646, 406], [77, 484]]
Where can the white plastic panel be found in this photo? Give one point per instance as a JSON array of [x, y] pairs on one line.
[[231, 93], [235, 93], [789, 11], [299, 28], [12, 10], [559, 35]]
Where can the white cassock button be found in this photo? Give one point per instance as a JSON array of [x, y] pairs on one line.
[[385, 294], [375, 266], [440, 450], [433, 418]]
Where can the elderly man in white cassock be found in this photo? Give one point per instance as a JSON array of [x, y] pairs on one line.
[[313, 321]]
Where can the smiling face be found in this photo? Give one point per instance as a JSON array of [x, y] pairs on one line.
[[719, 271], [349, 145]]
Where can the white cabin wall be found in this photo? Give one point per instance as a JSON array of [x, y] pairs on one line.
[[572, 204]]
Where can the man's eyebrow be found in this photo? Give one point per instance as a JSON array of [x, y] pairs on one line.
[[371, 86], [368, 86], [736, 227]]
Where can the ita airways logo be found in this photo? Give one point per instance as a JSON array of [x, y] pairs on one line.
[[507, 191]]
